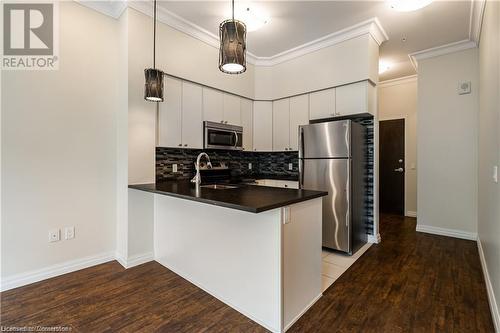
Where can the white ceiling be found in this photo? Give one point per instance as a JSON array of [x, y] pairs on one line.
[[294, 23]]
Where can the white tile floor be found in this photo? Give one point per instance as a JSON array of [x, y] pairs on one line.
[[335, 264]]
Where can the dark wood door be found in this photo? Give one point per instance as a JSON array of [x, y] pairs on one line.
[[391, 166]]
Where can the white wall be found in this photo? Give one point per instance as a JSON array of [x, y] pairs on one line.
[[398, 99], [59, 148], [447, 143], [353, 60], [489, 147]]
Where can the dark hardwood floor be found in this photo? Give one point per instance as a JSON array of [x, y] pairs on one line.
[[411, 282]]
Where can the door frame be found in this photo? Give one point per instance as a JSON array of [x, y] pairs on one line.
[[405, 118]]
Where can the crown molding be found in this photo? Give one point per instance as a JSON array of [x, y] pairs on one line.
[[476, 19], [397, 81], [371, 27], [441, 50], [112, 8]]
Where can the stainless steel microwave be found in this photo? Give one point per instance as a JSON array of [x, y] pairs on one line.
[[222, 136]]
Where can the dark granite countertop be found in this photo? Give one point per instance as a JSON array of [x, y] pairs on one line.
[[250, 198]]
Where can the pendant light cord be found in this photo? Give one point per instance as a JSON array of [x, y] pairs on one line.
[[154, 35]]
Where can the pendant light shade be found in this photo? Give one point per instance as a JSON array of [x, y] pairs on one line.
[[233, 46], [153, 89]]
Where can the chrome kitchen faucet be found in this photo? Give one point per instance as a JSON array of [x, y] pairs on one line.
[[197, 178]]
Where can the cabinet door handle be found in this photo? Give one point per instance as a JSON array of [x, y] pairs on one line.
[[180, 144], [185, 145]]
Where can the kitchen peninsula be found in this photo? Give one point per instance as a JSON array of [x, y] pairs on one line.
[[256, 248]]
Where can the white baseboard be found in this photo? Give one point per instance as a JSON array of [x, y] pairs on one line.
[[290, 324], [489, 288], [446, 232], [375, 239], [23, 279], [410, 213], [139, 259]]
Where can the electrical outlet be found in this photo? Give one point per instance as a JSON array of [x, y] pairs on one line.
[[69, 232], [290, 166], [174, 167], [54, 235], [249, 166], [495, 173]]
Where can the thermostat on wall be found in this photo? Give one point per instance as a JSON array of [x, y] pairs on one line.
[[464, 87]]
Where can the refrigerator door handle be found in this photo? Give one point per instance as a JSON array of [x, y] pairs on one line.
[[301, 142], [301, 173]]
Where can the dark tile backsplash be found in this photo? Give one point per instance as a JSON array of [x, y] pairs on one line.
[[264, 164]]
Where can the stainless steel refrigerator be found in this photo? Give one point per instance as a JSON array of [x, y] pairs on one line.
[[332, 157]]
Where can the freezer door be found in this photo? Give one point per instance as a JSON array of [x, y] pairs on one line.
[[331, 175], [325, 140]]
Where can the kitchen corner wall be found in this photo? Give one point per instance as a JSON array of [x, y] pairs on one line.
[[447, 132]]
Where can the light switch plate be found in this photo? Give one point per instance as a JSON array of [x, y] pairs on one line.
[[249, 166], [69, 232], [464, 87], [495, 173], [174, 167]]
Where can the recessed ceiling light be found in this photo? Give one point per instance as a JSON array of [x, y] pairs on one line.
[[253, 16], [383, 66], [408, 5]]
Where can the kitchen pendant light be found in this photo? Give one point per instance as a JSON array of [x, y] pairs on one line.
[[232, 52], [153, 88]]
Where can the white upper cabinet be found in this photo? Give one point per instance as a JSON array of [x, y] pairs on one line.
[[232, 113], [262, 126], [246, 107], [192, 118], [213, 105], [355, 98], [299, 115], [170, 115], [281, 124], [322, 104]]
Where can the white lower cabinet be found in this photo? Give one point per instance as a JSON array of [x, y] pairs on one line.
[[262, 126], [192, 118], [278, 183]]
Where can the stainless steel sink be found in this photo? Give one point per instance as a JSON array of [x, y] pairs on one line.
[[219, 186]]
